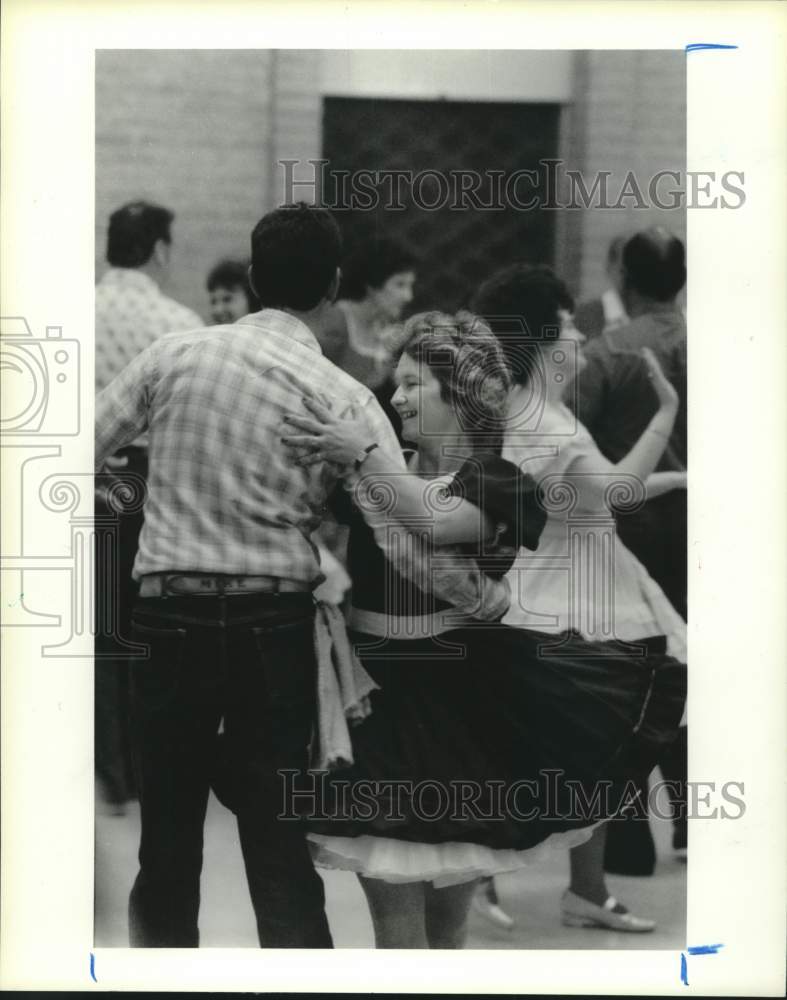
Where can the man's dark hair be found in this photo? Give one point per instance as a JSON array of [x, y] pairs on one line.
[[231, 273], [654, 264], [371, 264], [134, 230], [295, 251], [520, 304]]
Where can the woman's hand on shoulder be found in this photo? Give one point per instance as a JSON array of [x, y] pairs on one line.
[[323, 436]]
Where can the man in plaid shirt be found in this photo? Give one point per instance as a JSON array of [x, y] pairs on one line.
[[226, 570], [131, 311]]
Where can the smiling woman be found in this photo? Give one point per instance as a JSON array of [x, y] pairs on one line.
[[450, 383], [463, 701], [231, 295]]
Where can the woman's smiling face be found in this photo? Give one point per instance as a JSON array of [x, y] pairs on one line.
[[228, 304], [417, 400]]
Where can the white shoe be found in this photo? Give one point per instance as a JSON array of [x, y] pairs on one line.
[[493, 912], [579, 912]]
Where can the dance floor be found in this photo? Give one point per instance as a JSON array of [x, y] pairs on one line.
[[531, 896]]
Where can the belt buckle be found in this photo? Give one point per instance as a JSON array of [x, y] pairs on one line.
[[195, 584], [169, 585]]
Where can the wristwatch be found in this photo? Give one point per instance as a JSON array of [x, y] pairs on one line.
[[362, 455]]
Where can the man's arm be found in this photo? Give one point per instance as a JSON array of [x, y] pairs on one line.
[[122, 408]]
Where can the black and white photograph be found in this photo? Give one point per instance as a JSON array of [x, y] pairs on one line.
[[482, 256], [383, 589]]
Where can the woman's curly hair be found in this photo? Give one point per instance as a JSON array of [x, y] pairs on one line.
[[468, 362]]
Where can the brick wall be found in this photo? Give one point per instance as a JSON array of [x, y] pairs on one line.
[[298, 121], [199, 131], [629, 113]]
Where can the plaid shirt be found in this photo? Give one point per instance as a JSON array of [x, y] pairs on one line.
[[132, 312], [223, 497]]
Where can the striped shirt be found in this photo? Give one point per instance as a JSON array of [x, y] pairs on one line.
[[223, 496]]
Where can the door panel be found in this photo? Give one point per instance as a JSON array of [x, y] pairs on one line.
[[460, 241]]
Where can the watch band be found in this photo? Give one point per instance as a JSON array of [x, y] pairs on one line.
[[361, 457]]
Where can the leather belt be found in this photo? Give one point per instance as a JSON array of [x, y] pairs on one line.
[[198, 584]]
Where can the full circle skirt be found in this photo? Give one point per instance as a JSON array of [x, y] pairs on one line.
[[488, 746]]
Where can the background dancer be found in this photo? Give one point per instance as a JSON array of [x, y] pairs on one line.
[[229, 290], [613, 403], [522, 303], [361, 334], [132, 311]]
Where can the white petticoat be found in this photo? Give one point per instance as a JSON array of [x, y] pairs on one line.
[[445, 864]]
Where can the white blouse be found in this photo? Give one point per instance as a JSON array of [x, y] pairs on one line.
[[581, 576]]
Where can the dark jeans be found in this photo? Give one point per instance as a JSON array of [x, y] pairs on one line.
[[658, 537], [249, 659], [630, 849], [657, 534], [117, 535]]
